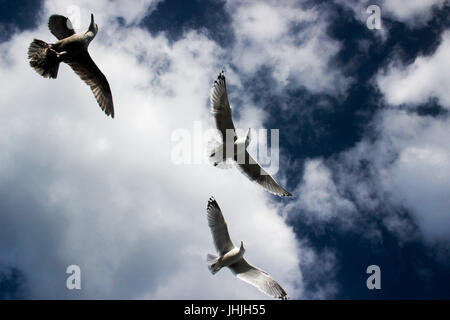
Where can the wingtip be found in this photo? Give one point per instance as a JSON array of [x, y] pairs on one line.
[[283, 194], [220, 81], [211, 200], [287, 194], [108, 109], [211, 203], [109, 114], [221, 75]]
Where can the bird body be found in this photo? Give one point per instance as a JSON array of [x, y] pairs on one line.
[[233, 257], [229, 258], [71, 48], [73, 45], [235, 151], [240, 146]]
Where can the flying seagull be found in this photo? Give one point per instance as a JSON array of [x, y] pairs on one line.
[[234, 148], [233, 257], [71, 48]]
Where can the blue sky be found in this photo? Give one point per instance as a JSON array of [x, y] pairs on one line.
[[363, 120]]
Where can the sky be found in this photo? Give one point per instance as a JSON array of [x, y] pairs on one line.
[[363, 120]]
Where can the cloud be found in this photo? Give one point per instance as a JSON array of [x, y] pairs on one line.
[[418, 82], [399, 173], [106, 12], [406, 169], [320, 198], [79, 188], [415, 13], [11, 282], [419, 177], [290, 40], [321, 282]]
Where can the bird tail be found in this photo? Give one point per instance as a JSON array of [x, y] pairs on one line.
[[43, 60], [212, 263]]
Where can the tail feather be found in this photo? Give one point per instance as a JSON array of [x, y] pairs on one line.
[[44, 61], [212, 263]]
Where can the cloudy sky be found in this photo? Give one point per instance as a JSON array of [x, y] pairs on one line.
[[363, 117]]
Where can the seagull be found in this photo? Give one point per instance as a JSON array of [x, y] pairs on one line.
[[234, 148], [71, 48], [233, 257]]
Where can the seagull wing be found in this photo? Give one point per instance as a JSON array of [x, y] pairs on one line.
[[85, 67], [220, 108], [218, 227], [60, 26], [256, 173], [258, 278]]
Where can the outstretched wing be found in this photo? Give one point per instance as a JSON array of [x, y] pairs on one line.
[[218, 227], [85, 67], [258, 278], [256, 173], [60, 26], [220, 108]]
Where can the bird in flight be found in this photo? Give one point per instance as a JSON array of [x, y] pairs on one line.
[[234, 148], [233, 257], [71, 48]]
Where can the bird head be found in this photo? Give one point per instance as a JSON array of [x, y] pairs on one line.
[[242, 246], [93, 26], [248, 138]]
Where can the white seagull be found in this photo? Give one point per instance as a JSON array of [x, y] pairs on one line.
[[233, 257], [234, 148], [71, 48]]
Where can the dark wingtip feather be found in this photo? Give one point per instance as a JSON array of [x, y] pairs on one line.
[[288, 194], [110, 112], [211, 203]]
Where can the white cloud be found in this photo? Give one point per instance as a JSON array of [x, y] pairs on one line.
[[80, 188], [417, 82], [319, 197], [414, 12], [407, 167], [290, 40], [323, 278], [105, 11], [419, 179]]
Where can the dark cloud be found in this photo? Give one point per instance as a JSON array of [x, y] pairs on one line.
[[12, 282], [174, 18], [16, 16]]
